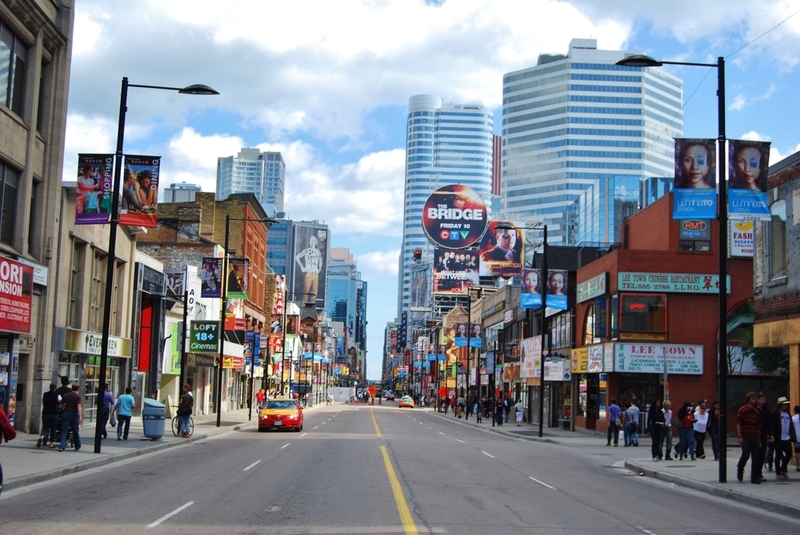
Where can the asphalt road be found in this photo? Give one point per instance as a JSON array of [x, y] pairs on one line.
[[360, 469]]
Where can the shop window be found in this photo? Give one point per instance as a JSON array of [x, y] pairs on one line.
[[615, 316], [76, 284], [588, 325], [643, 313], [13, 54], [9, 178], [776, 240], [97, 291]]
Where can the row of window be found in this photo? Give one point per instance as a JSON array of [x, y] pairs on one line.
[[572, 132], [572, 120]]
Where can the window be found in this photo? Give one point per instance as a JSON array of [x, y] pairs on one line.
[[643, 313], [9, 178], [13, 54], [97, 291], [76, 284], [776, 236]]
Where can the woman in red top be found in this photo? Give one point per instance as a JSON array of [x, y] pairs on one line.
[[686, 431]]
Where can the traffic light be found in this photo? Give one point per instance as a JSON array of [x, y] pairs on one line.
[[417, 255]]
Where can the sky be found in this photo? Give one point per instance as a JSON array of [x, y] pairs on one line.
[[327, 84]]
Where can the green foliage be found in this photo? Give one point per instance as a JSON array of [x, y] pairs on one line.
[[766, 359]]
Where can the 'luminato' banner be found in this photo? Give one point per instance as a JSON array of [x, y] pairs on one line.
[[748, 162]]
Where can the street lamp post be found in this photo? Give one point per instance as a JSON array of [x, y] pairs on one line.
[[641, 60], [222, 307], [195, 89]]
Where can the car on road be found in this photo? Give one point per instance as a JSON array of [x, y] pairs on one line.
[[389, 396], [406, 401], [281, 413]]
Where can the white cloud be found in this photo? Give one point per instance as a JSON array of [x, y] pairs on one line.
[[380, 263]]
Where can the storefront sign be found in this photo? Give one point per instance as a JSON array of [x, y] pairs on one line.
[[204, 337], [233, 363], [580, 360], [600, 317], [595, 359], [531, 354], [205, 361], [16, 288], [671, 282], [594, 287], [608, 358], [650, 358], [40, 272], [741, 237], [89, 343], [151, 281]]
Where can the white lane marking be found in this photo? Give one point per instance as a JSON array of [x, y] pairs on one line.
[[323, 423], [170, 515], [542, 483], [429, 427], [487, 454], [458, 439], [286, 445], [441, 433], [251, 466], [304, 434], [315, 427], [644, 530], [420, 423]]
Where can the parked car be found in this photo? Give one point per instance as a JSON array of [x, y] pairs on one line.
[[406, 401], [281, 414], [388, 396]]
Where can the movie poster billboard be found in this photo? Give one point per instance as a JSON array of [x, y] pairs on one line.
[[420, 286], [454, 272], [748, 162], [502, 250], [238, 276], [310, 265], [695, 194], [94, 189], [139, 206], [454, 217], [211, 278], [557, 288], [531, 288]]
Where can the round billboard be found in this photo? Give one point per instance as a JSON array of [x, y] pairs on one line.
[[454, 217]]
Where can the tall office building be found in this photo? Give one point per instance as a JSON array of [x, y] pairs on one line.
[[576, 118], [445, 144], [253, 171]]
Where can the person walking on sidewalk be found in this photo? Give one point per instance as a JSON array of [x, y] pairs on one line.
[[700, 426], [185, 406], [655, 424], [124, 409], [520, 411], [667, 432], [783, 436], [613, 423], [713, 428], [686, 431], [105, 402], [71, 418], [50, 406], [748, 430], [766, 451], [796, 425], [632, 424], [499, 411]]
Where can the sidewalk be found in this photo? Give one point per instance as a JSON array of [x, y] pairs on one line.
[[25, 464], [701, 475]]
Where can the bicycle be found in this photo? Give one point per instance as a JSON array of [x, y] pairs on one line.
[[176, 424]]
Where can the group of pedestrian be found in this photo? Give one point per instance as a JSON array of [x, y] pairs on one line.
[[760, 430]]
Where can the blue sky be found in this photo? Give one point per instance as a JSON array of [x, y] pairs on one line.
[[327, 84]]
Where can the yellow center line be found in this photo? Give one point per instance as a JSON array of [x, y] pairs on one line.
[[402, 507], [375, 422]]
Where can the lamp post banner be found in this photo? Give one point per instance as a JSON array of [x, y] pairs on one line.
[[748, 163], [93, 192], [140, 191], [531, 288], [238, 275], [454, 217], [211, 278]]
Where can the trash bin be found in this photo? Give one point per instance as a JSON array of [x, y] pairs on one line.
[[153, 414]]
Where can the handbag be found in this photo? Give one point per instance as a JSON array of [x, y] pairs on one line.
[[618, 423], [112, 420], [183, 411]]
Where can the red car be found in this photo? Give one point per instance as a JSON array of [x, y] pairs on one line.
[[281, 414]]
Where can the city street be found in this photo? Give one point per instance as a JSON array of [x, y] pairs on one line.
[[372, 469]]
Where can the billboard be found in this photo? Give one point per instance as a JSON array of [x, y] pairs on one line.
[[502, 250], [140, 191], [454, 217], [695, 194], [16, 292], [93, 191], [454, 272], [211, 278], [421, 287], [310, 265], [748, 162]]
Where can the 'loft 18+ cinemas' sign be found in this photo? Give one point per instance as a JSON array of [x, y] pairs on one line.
[[454, 217]]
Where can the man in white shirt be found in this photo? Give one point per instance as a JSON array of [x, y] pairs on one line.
[[667, 436]]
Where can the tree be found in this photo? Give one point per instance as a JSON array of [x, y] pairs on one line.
[[765, 359]]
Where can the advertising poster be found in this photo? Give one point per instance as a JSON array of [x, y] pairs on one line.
[[454, 217], [742, 238], [140, 191], [695, 194], [94, 189], [238, 275], [502, 250], [420, 287], [530, 357], [461, 335], [454, 272], [748, 162], [277, 305], [595, 359], [476, 335], [531, 288], [310, 265], [16, 290], [211, 278], [557, 288]]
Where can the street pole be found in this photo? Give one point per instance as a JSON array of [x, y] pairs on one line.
[[544, 331], [223, 305], [723, 272]]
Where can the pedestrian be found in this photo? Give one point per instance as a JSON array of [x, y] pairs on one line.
[[713, 428], [667, 433], [700, 427], [613, 422], [632, 424], [507, 403], [655, 425], [446, 403], [50, 406], [624, 419], [686, 431], [766, 448], [124, 409], [65, 386], [185, 405], [71, 418], [520, 411], [499, 412], [748, 431], [260, 398], [477, 409], [783, 437], [459, 406], [105, 402], [796, 424]]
